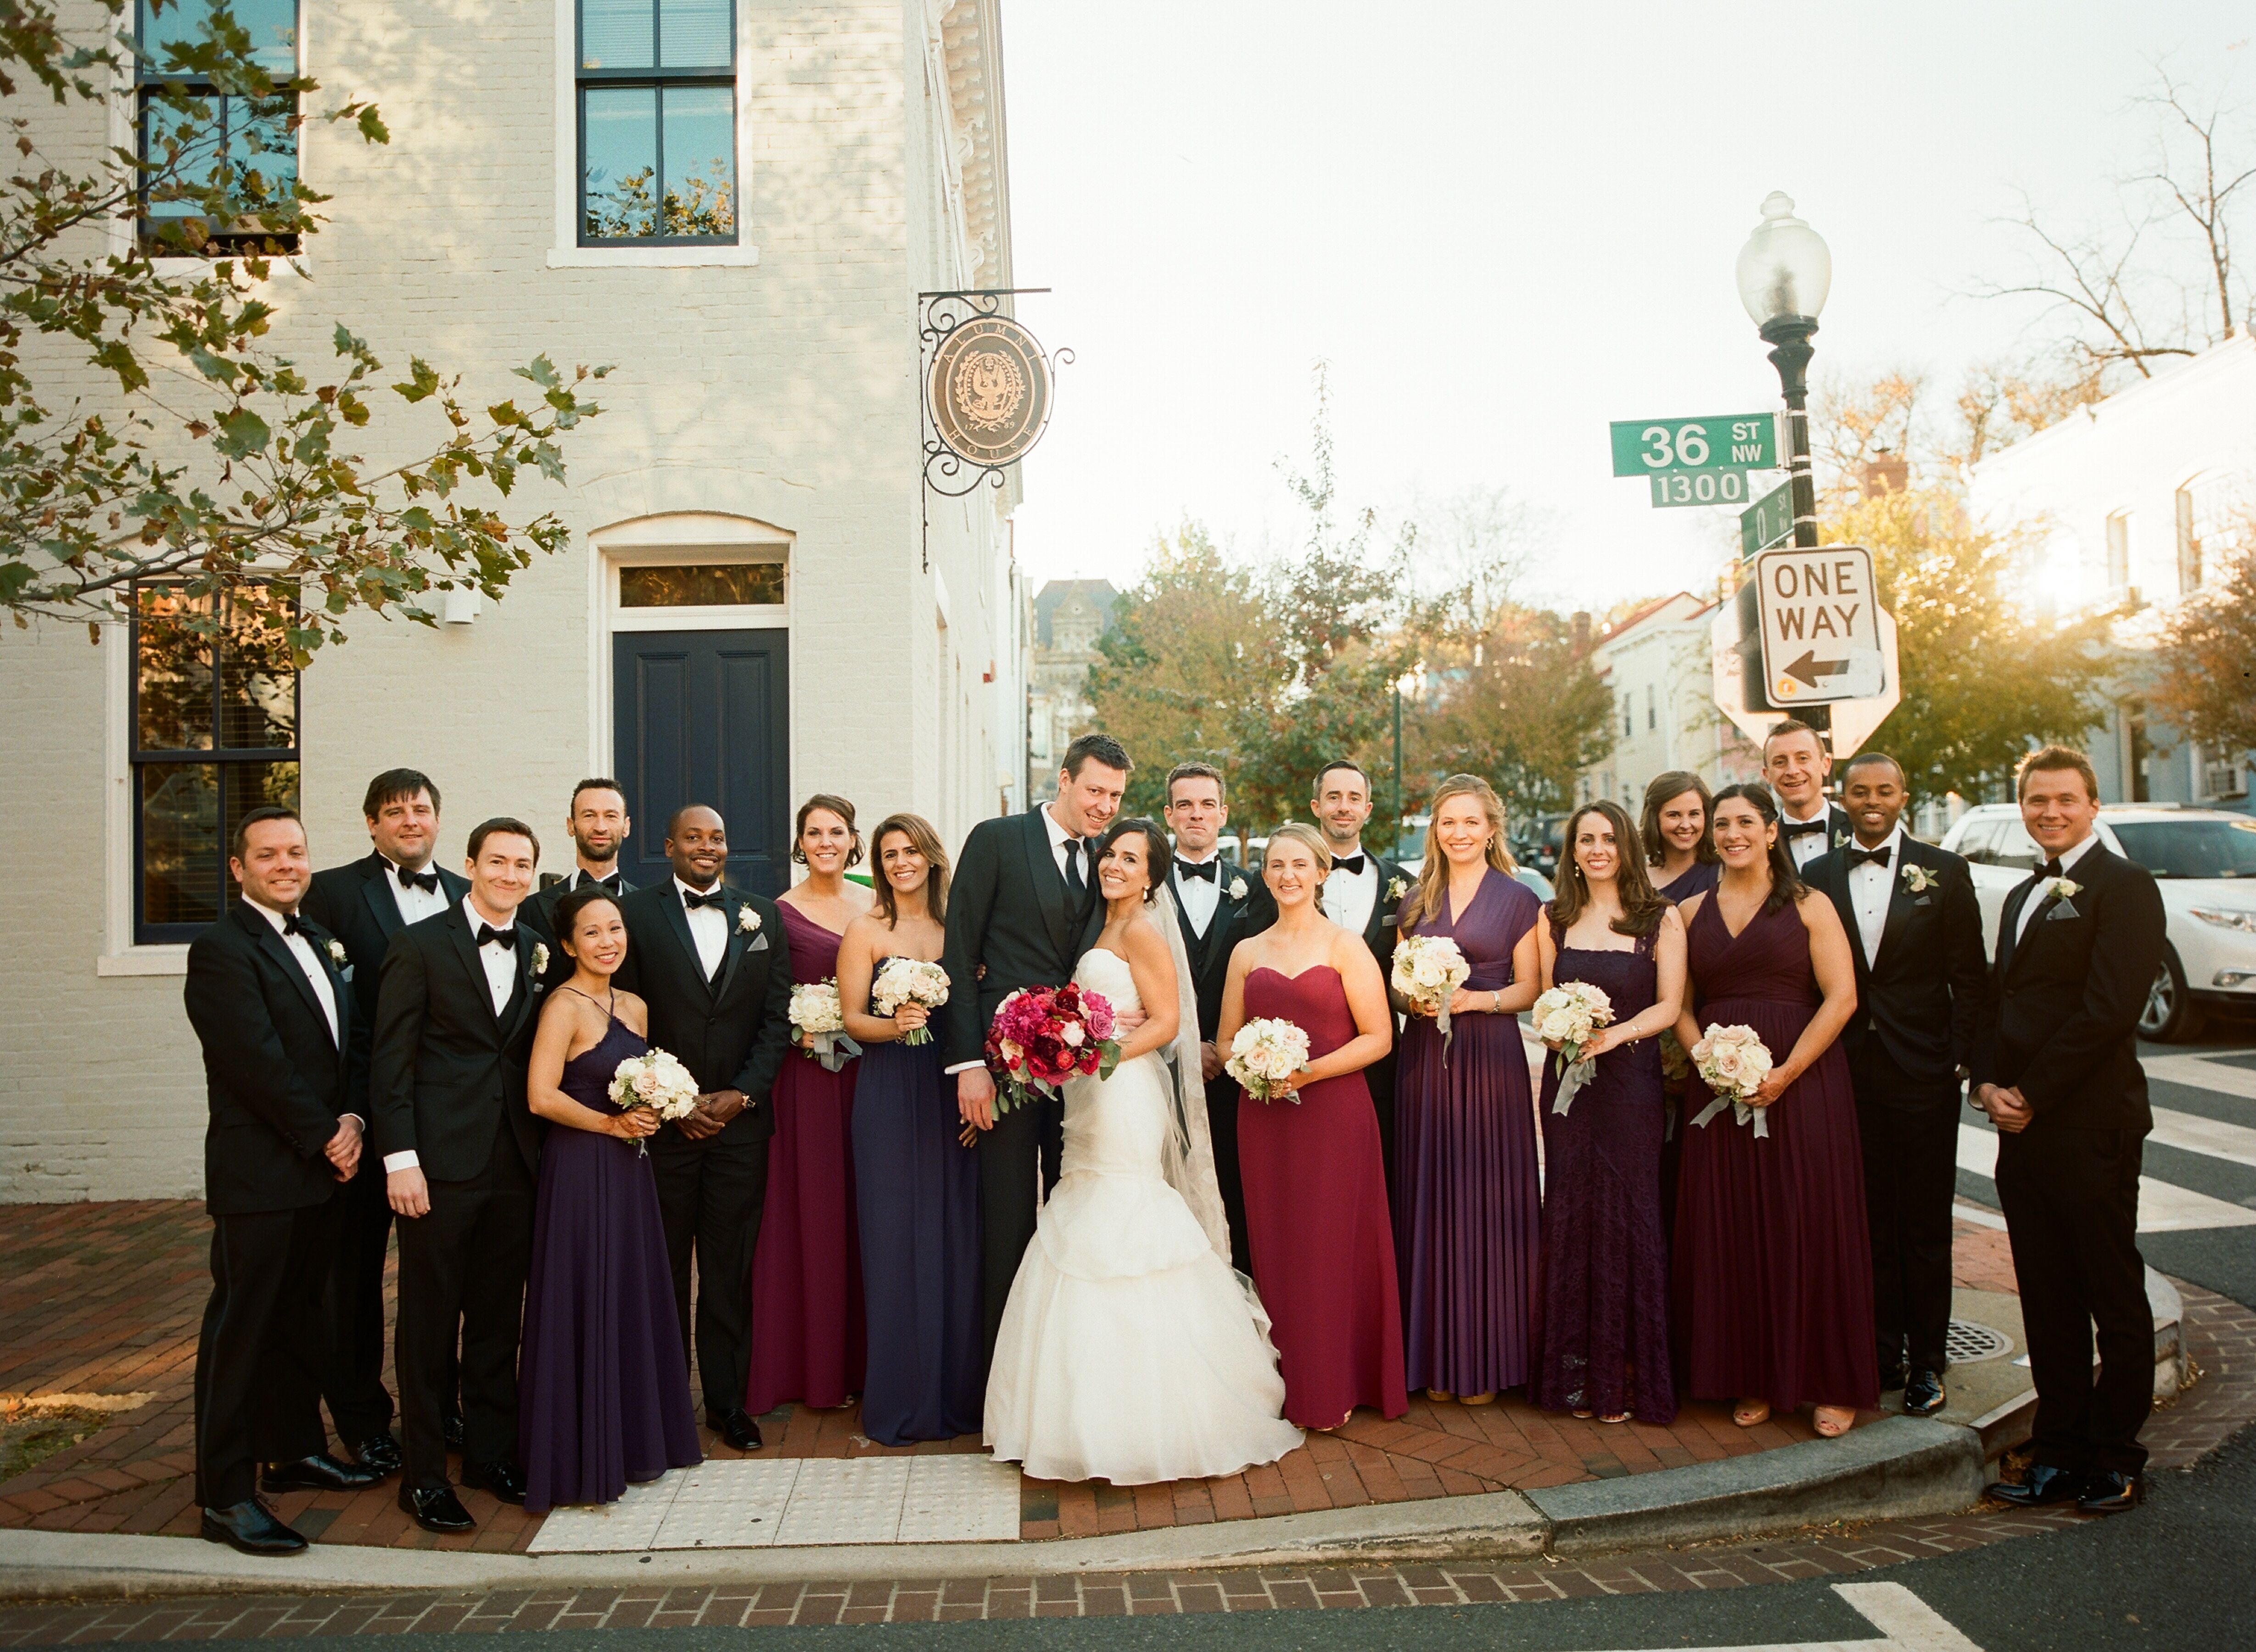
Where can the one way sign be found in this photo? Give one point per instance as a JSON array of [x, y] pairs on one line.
[[1820, 633]]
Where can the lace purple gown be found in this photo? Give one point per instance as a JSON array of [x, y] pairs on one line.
[[604, 1390], [1601, 1331]]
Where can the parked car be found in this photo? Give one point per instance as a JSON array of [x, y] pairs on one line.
[[1542, 844], [2205, 863]]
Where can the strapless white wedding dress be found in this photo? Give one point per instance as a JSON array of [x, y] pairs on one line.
[[1129, 1351]]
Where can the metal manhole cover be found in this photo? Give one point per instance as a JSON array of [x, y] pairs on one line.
[[1968, 1343]]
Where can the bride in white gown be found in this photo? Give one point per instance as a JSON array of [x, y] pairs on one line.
[[1129, 1351]]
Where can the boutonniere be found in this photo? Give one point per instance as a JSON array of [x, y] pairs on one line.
[[1918, 879], [1238, 888], [747, 920], [540, 958], [2064, 889], [1396, 889], [336, 949]]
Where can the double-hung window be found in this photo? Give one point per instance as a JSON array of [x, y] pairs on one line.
[[215, 736], [193, 137], [657, 90]]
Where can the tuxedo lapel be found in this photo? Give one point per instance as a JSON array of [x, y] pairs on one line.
[[1374, 927], [1900, 899], [375, 889], [2009, 924], [1051, 890], [734, 947], [270, 942], [520, 1001], [1836, 890], [677, 919], [466, 949]]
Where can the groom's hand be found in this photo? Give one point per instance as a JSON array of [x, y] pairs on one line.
[[974, 1098], [1209, 1063], [1126, 1021]]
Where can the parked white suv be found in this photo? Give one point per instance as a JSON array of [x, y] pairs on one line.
[[2205, 863]]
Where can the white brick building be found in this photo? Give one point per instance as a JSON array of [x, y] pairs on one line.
[[761, 435], [1656, 661]]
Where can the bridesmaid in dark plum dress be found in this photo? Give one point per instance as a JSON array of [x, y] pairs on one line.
[[1772, 1271], [603, 1387], [1315, 1186], [917, 1181], [1469, 1223], [1601, 1332], [1681, 853], [807, 1328]]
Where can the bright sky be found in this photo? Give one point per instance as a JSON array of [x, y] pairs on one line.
[[1505, 225]]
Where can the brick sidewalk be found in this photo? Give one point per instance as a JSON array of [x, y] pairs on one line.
[[104, 1299]]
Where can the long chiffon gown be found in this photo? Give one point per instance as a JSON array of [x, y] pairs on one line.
[[1315, 1217], [808, 1329], [1700, 878], [916, 1191], [1468, 1224], [1772, 1272], [603, 1385], [1602, 1326]]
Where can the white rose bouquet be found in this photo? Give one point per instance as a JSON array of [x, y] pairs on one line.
[[1264, 1055], [909, 981], [815, 1011], [1732, 1062], [1568, 1016], [655, 1080], [1429, 969]]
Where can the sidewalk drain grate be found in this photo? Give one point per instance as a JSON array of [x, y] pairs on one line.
[[1968, 1343]]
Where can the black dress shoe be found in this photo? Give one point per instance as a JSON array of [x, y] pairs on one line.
[[2045, 1485], [452, 1429], [1923, 1394], [1893, 1376], [320, 1472], [436, 1508], [2109, 1493], [505, 1480], [735, 1427], [380, 1453], [249, 1527]]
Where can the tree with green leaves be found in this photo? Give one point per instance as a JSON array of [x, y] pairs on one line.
[[218, 467]]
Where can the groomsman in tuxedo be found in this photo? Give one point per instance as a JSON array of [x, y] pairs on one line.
[[1218, 904], [455, 1019], [364, 904], [599, 825], [1364, 894], [1916, 931], [2056, 1068], [1795, 764], [271, 1009], [1020, 907], [714, 965]]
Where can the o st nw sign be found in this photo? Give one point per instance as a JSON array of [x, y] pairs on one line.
[[1821, 628]]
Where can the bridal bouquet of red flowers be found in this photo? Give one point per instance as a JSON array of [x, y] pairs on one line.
[[1042, 1036]]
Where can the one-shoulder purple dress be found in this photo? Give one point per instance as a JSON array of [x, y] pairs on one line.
[[603, 1385]]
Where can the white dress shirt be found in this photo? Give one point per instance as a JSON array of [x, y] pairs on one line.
[[1199, 897], [1059, 838], [415, 903], [500, 961], [1351, 897], [1809, 845], [2036, 897], [1870, 886], [709, 927], [302, 950]]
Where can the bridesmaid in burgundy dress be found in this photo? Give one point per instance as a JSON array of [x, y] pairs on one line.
[[1469, 1222], [1315, 1186], [1772, 1273], [809, 1336], [603, 1385], [1677, 847]]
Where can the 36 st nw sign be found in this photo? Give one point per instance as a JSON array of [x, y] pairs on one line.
[[1820, 631]]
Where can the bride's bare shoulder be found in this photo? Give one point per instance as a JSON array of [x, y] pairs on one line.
[[1145, 943]]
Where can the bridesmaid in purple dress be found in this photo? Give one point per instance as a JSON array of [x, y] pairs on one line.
[[809, 1331], [603, 1385], [1468, 1226], [1677, 847], [1772, 1273], [1602, 1330], [1316, 1185]]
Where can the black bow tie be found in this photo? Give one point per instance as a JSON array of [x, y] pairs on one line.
[[693, 900], [1801, 828], [2050, 868], [1210, 870], [292, 924], [1856, 857], [609, 884], [487, 936], [425, 881], [1353, 863]]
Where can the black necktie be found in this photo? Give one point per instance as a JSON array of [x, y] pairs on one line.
[[1856, 857], [1348, 863], [1073, 880], [691, 900], [1802, 828], [1210, 870], [428, 881], [489, 936]]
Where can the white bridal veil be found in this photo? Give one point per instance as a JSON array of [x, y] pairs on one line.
[[1189, 1159]]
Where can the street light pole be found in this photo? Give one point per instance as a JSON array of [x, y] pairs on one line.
[[1394, 847], [1789, 337]]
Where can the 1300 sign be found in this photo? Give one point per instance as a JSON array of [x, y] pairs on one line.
[[1701, 488], [1737, 441]]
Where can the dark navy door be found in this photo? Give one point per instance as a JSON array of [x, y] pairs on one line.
[[704, 717]]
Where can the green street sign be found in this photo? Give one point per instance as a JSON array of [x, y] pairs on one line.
[[1729, 441], [1768, 521], [1700, 488]]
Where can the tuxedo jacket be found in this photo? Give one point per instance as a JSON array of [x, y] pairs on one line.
[[1234, 920], [731, 1032], [1009, 908], [1384, 927], [1923, 996], [355, 903], [539, 914], [1839, 831], [446, 1074], [275, 1081], [2060, 1021]]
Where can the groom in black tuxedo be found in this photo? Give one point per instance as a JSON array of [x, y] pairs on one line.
[[1218, 903], [364, 904], [714, 965], [1364, 893], [270, 1008], [2056, 1068], [455, 1019], [1915, 932], [1019, 908]]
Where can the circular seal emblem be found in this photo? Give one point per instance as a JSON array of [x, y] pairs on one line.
[[990, 391]]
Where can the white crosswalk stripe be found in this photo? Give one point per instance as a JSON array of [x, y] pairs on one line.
[[2163, 1206]]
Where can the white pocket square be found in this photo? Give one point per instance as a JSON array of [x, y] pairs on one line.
[[2061, 913], [759, 944]]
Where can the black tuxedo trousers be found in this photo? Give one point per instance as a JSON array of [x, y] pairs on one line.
[[261, 1351], [1909, 1132]]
